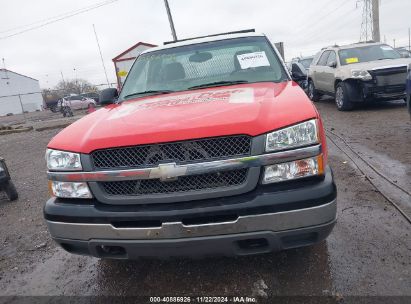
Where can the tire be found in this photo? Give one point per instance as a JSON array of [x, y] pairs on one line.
[[342, 99], [408, 100], [11, 191], [54, 109], [91, 106], [312, 92]]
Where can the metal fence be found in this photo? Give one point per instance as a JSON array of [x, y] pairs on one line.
[[21, 103]]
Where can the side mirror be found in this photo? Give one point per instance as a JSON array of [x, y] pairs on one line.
[[298, 71], [332, 64], [108, 96]]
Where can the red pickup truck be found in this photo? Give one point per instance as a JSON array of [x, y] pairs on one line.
[[210, 148]]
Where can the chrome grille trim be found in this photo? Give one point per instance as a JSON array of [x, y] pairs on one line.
[[172, 170], [182, 152]]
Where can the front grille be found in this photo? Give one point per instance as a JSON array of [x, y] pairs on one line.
[[184, 184], [394, 79], [179, 152], [390, 76]]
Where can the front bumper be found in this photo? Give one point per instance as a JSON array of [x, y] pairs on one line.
[[269, 218], [389, 92], [239, 244]]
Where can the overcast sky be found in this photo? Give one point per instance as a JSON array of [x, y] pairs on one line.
[[69, 45]]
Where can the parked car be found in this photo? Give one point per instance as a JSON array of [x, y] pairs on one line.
[[52, 105], [298, 69], [92, 95], [404, 52], [210, 148], [77, 102], [356, 73], [305, 61], [6, 183], [408, 89]]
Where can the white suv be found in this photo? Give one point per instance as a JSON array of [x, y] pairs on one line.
[[357, 73]]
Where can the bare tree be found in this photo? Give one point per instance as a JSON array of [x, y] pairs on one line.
[[75, 86]]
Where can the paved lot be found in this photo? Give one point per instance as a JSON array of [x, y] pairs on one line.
[[368, 252]]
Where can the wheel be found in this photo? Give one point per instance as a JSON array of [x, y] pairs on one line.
[[54, 109], [91, 106], [312, 92], [11, 191], [342, 100], [408, 99]]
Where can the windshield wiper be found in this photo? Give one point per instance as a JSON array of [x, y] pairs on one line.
[[218, 83], [148, 92]]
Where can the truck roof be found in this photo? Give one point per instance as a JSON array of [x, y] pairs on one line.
[[202, 40]]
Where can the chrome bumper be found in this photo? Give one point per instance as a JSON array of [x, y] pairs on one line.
[[274, 222]]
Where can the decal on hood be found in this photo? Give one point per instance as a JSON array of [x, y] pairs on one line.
[[236, 96]]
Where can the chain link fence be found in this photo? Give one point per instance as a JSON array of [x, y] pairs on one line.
[[21, 103]]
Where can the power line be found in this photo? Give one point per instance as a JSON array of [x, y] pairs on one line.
[[56, 19], [319, 19], [50, 18], [340, 25]]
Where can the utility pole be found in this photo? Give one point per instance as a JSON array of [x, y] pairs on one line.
[[370, 25], [170, 20], [394, 42], [409, 39], [376, 20], [101, 56]]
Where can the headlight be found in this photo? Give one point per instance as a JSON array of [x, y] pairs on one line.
[[361, 74], [63, 161], [70, 190], [293, 170], [303, 134]]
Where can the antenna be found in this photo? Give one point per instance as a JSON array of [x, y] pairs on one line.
[[5, 70]]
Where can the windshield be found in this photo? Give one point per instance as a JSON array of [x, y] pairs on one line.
[[306, 62], [367, 53], [225, 62]]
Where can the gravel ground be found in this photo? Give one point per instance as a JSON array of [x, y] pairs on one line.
[[368, 252]]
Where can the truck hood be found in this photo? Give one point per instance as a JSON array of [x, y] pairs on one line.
[[378, 64], [251, 109]]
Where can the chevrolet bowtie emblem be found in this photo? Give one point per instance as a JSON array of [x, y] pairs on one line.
[[168, 172]]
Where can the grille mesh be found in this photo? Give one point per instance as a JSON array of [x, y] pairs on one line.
[[183, 184], [179, 152]]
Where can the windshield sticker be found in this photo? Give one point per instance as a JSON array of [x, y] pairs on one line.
[[253, 60], [351, 60], [386, 48], [235, 96]]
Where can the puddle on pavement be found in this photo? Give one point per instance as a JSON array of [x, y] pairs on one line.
[[303, 271]]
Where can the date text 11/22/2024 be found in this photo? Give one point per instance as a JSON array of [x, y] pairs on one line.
[[203, 299]]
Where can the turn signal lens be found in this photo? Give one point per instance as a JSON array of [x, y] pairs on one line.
[[70, 190], [294, 170]]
